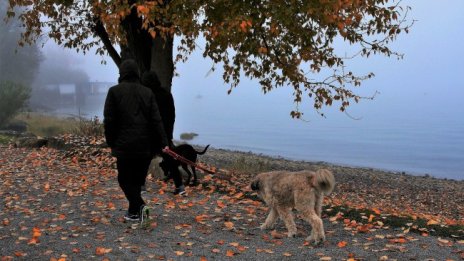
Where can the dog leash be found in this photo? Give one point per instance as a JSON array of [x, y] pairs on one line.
[[186, 161]]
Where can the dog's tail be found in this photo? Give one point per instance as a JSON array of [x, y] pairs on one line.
[[202, 152], [324, 181]]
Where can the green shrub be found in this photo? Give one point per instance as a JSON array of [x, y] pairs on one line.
[[13, 98]]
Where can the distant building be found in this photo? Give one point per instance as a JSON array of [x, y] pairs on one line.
[[53, 95], [99, 88]]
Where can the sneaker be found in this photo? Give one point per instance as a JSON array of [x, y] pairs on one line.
[[131, 217], [180, 191], [143, 189], [144, 213]]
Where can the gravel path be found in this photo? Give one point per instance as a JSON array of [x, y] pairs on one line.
[[60, 205]]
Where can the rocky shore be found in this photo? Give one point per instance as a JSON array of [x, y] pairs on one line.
[[396, 193]]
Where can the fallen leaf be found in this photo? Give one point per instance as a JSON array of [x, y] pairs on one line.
[[277, 235], [179, 253], [230, 253], [229, 225], [99, 251], [398, 240], [342, 244]]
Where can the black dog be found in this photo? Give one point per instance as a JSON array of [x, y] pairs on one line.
[[188, 152]]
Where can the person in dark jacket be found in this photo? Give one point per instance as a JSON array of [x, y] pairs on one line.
[[134, 131], [167, 109]]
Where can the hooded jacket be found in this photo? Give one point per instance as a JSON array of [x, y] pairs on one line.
[[164, 100], [132, 122]]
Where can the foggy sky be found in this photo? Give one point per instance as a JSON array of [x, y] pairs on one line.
[[432, 66]]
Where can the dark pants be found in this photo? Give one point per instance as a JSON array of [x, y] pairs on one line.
[[131, 176]]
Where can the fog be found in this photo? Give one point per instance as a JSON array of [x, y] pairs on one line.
[[414, 124], [429, 75]]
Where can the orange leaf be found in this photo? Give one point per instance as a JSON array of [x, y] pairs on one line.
[[36, 232], [203, 258], [229, 225], [398, 240], [342, 244], [179, 253], [376, 211], [363, 228], [432, 222], [238, 195], [276, 235], [371, 217], [201, 218], [220, 204], [230, 253], [99, 251]]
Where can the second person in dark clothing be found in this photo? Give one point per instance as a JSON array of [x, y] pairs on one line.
[[168, 115], [134, 131]]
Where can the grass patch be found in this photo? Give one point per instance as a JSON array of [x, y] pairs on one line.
[[415, 225], [5, 140], [47, 126]]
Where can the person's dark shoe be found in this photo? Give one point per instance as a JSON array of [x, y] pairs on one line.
[[132, 217], [180, 191]]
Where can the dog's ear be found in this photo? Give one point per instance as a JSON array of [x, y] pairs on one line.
[[255, 185]]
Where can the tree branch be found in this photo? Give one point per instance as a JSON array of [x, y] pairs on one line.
[[100, 30]]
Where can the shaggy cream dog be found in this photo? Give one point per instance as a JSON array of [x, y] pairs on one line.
[[304, 190]]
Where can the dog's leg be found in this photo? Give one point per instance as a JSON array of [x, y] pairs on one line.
[[184, 167], [195, 180], [307, 205], [286, 215], [317, 233], [271, 219], [318, 206]]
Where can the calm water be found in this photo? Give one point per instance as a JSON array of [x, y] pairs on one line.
[[411, 137]]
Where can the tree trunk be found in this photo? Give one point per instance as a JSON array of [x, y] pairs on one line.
[[162, 60]]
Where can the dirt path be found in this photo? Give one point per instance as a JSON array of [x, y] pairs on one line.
[[60, 205]]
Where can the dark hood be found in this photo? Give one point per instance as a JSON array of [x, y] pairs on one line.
[[128, 70], [151, 80]]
